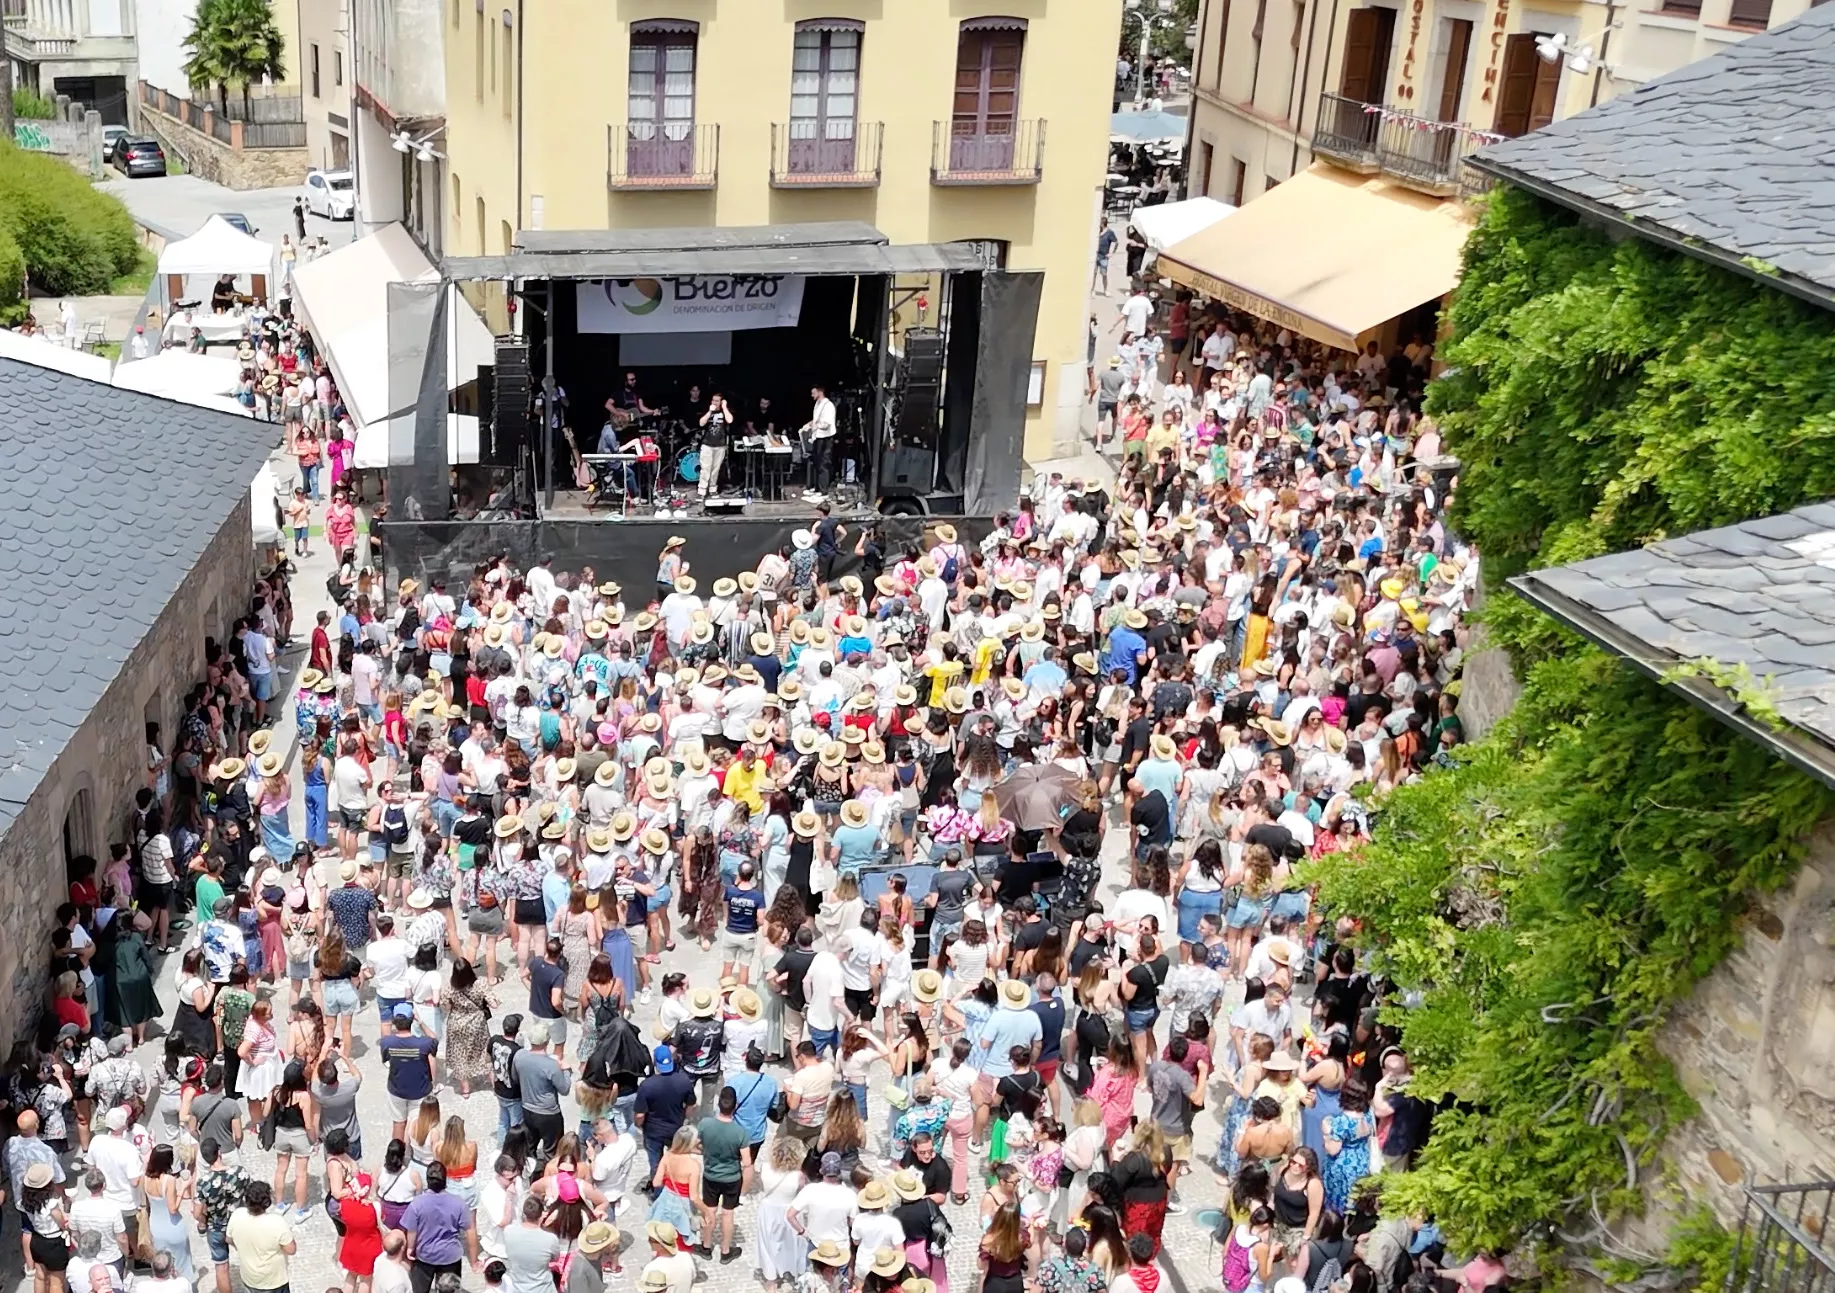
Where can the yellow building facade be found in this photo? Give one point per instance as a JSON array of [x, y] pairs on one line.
[[1280, 83], [932, 120]]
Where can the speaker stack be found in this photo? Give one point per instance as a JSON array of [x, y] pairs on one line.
[[510, 400]]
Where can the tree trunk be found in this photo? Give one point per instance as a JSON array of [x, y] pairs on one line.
[[245, 103], [223, 97], [6, 96]]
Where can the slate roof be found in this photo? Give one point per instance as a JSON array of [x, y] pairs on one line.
[[1727, 158], [108, 498], [1761, 593]]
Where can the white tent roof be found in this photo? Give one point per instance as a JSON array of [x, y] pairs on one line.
[[344, 299], [218, 248], [208, 381], [49, 354], [1171, 222]]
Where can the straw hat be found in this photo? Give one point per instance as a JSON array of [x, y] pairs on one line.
[[645, 621], [509, 827], [494, 635], [309, 678], [37, 1176], [1014, 687], [1085, 660], [554, 646], [829, 1253], [1131, 558], [258, 743], [1052, 612], [623, 826], [805, 740], [269, 765], [904, 694], [555, 831], [885, 585], [661, 1232], [747, 1004], [1134, 619], [854, 626], [799, 632], [872, 751], [1277, 731], [1392, 588], [655, 841], [853, 736], [1335, 740], [695, 760], [748, 581], [851, 585], [325, 686], [420, 900], [758, 732], [747, 674], [702, 633], [818, 635], [607, 773], [596, 630], [713, 675], [725, 587], [1162, 747], [1014, 994], [955, 700], [599, 840], [564, 770], [654, 1279], [926, 986], [685, 585], [650, 722], [806, 824], [764, 644], [872, 1197], [230, 769], [1032, 630], [501, 613], [927, 567], [597, 1237], [854, 813], [832, 754], [946, 533], [908, 1185], [1022, 591], [789, 689], [1280, 1062], [614, 615], [703, 1002], [802, 540]]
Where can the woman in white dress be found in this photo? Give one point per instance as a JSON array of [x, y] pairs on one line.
[[783, 1254]]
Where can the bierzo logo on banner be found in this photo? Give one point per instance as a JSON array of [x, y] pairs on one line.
[[700, 303]]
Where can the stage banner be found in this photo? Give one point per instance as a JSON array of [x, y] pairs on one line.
[[701, 303]]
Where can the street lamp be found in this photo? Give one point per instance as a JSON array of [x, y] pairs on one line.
[[1160, 12]]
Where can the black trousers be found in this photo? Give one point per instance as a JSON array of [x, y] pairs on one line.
[[545, 1129], [821, 463], [422, 1274]]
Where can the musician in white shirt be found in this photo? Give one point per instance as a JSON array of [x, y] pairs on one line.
[[821, 432]]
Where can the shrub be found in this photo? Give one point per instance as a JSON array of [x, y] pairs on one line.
[[31, 106], [13, 305], [75, 239]]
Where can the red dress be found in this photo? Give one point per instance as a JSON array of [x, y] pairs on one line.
[[362, 1242]]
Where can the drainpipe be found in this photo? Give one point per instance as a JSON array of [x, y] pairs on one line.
[[1306, 71], [1605, 45], [522, 40]]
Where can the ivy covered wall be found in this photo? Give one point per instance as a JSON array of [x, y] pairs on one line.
[[1557, 895]]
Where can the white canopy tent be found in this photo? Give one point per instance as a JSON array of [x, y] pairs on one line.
[[343, 298], [1171, 222], [208, 381], [218, 248], [49, 354], [264, 507]]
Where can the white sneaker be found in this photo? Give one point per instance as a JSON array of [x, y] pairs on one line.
[[643, 998]]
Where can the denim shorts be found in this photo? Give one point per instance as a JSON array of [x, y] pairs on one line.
[[218, 1241], [660, 900], [1141, 1019], [340, 997]]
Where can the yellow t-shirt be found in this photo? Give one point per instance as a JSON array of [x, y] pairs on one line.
[[742, 786], [942, 677], [258, 1242]]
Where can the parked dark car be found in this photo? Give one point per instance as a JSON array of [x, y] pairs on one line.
[[236, 220], [137, 157]]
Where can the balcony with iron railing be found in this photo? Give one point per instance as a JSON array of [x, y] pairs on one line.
[[981, 152], [826, 155], [1780, 1246], [1429, 156], [671, 157]]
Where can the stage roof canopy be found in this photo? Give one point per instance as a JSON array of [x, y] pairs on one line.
[[837, 247]]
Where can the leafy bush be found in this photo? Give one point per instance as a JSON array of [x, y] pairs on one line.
[[1557, 893], [13, 305], [28, 105], [75, 238]]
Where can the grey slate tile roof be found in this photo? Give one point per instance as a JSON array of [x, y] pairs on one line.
[[1761, 593], [108, 498], [1736, 152]]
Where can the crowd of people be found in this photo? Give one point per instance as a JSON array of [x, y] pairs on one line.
[[875, 801]]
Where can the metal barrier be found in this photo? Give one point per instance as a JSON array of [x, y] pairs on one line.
[[1779, 1248]]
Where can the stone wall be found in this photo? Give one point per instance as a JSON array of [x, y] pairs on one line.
[[1755, 1046], [210, 158], [91, 786]]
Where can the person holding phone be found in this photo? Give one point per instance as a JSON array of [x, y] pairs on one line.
[[716, 429]]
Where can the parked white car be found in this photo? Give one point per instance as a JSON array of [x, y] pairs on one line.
[[332, 194]]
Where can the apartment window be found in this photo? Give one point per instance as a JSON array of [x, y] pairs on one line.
[[1755, 15], [1683, 8], [1367, 41], [457, 209], [1215, 68], [824, 95], [503, 232], [1299, 21], [337, 67], [509, 61], [1452, 73], [315, 70], [985, 115], [1239, 180], [478, 54], [1205, 160], [659, 103], [483, 35], [1526, 94], [479, 203]]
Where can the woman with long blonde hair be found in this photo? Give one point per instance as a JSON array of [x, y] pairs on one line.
[[458, 1154], [1253, 877], [424, 1131]]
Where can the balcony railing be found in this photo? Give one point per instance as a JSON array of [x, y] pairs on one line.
[[644, 155], [806, 155], [1425, 155], [1345, 133], [975, 152], [1779, 1248]]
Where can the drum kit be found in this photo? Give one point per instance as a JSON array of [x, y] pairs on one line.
[[660, 481]]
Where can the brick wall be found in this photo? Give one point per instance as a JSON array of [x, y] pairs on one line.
[[102, 765]]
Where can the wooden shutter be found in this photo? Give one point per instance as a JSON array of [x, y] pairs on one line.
[[1379, 54], [1542, 100], [1239, 179], [1452, 77], [1754, 15], [1357, 81], [987, 81], [1518, 85]]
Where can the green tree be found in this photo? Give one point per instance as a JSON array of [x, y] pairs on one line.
[[233, 41]]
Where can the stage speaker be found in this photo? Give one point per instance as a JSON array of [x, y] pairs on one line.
[[923, 355], [510, 388], [725, 506], [908, 469]]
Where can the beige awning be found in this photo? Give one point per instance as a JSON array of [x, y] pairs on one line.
[[1328, 254]]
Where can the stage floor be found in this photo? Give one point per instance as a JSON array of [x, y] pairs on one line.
[[572, 505]]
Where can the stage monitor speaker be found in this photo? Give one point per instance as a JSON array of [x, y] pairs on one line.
[[923, 356], [510, 390], [907, 470]]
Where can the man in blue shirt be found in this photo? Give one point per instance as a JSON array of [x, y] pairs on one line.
[[1050, 1011], [410, 1064], [665, 1100], [744, 900], [1047, 677], [1127, 649], [756, 1091], [1012, 1024]]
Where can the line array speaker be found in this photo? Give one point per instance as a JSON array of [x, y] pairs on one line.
[[510, 390]]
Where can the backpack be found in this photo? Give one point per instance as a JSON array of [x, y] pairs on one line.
[[1238, 1270], [395, 825], [951, 568], [299, 941]]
